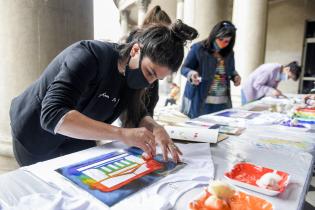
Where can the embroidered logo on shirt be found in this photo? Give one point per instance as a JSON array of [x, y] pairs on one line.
[[107, 96], [103, 95]]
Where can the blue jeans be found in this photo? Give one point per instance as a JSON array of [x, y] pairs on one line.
[[211, 108], [244, 100]]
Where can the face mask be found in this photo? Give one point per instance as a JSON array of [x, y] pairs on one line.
[[135, 78], [283, 77], [216, 46]]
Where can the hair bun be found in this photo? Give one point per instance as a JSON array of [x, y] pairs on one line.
[[183, 32], [157, 8]]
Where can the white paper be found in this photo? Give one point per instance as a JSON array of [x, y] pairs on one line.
[[196, 134]]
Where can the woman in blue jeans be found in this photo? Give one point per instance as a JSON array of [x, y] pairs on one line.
[[209, 67]]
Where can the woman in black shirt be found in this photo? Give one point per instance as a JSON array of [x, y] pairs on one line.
[[87, 86]]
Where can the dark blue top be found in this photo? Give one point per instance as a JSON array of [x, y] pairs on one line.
[[199, 59], [83, 77]]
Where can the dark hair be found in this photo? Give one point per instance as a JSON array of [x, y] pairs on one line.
[[164, 45], [156, 15], [295, 69], [220, 30]]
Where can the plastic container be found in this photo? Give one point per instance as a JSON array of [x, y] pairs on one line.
[[240, 200], [246, 175]]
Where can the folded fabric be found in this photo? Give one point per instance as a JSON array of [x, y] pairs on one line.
[[199, 169], [48, 201]]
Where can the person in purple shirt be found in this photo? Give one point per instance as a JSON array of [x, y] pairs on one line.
[[265, 79]]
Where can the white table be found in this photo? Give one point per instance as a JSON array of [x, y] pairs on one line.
[[19, 183], [298, 165]]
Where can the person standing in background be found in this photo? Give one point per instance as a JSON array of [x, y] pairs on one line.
[[151, 95], [265, 79], [173, 96], [209, 67], [155, 16]]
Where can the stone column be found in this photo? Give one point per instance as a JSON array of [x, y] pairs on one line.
[[124, 21], [142, 10], [210, 12], [32, 33], [186, 12], [189, 12], [179, 15], [180, 9], [250, 19], [204, 14]]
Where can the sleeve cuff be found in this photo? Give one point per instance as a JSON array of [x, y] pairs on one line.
[[60, 123], [189, 76]]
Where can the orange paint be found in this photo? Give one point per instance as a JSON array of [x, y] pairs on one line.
[[243, 201], [239, 201], [151, 164]]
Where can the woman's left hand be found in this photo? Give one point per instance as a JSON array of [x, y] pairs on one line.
[[237, 80], [166, 144]]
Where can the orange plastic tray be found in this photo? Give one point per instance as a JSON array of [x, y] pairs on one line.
[[246, 175], [239, 201]]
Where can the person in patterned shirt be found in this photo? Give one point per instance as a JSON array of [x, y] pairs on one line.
[[209, 67]]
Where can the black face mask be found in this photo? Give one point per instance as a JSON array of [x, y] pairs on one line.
[[135, 78]]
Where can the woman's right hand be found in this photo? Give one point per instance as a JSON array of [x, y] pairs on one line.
[[194, 77], [309, 96], [309, 99], [276, 93], [141, 138]]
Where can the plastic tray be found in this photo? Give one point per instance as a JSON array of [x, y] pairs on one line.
[[240, 200], [246, 175]]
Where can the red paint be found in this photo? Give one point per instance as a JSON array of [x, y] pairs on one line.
[[151, 164], [312, 110]]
